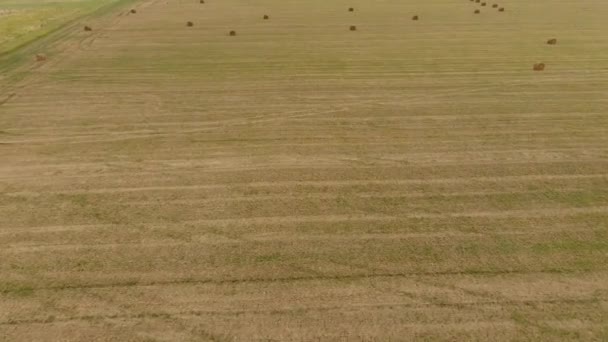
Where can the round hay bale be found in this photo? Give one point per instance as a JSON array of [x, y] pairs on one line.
[[133, 11], [189, 24], [415, 18], [351, 9], [477, 1], [483, 4], [502, 9], [552, 41], [477, 11], [202, 1], [266, 17], [40, 57], [88, 28], [539, 67], [353, 28], [495, 6], [232, 33]]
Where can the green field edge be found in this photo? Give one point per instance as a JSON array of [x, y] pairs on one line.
[[15, 57]]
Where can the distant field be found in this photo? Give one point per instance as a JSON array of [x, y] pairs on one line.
[[303, 182], [22, 21]]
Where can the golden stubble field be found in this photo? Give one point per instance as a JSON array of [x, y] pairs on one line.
[[300, 181]]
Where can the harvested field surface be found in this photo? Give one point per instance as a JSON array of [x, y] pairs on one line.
[[298, 182]]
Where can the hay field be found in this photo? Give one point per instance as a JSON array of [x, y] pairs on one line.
[[303, 182]]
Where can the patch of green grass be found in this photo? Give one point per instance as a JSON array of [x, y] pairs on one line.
[[16, 290], [571, 246], [79, 199], [269, 258], [577, 198], [520, 318]]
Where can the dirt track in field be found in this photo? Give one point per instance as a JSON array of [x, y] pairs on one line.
[[299, 181]]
